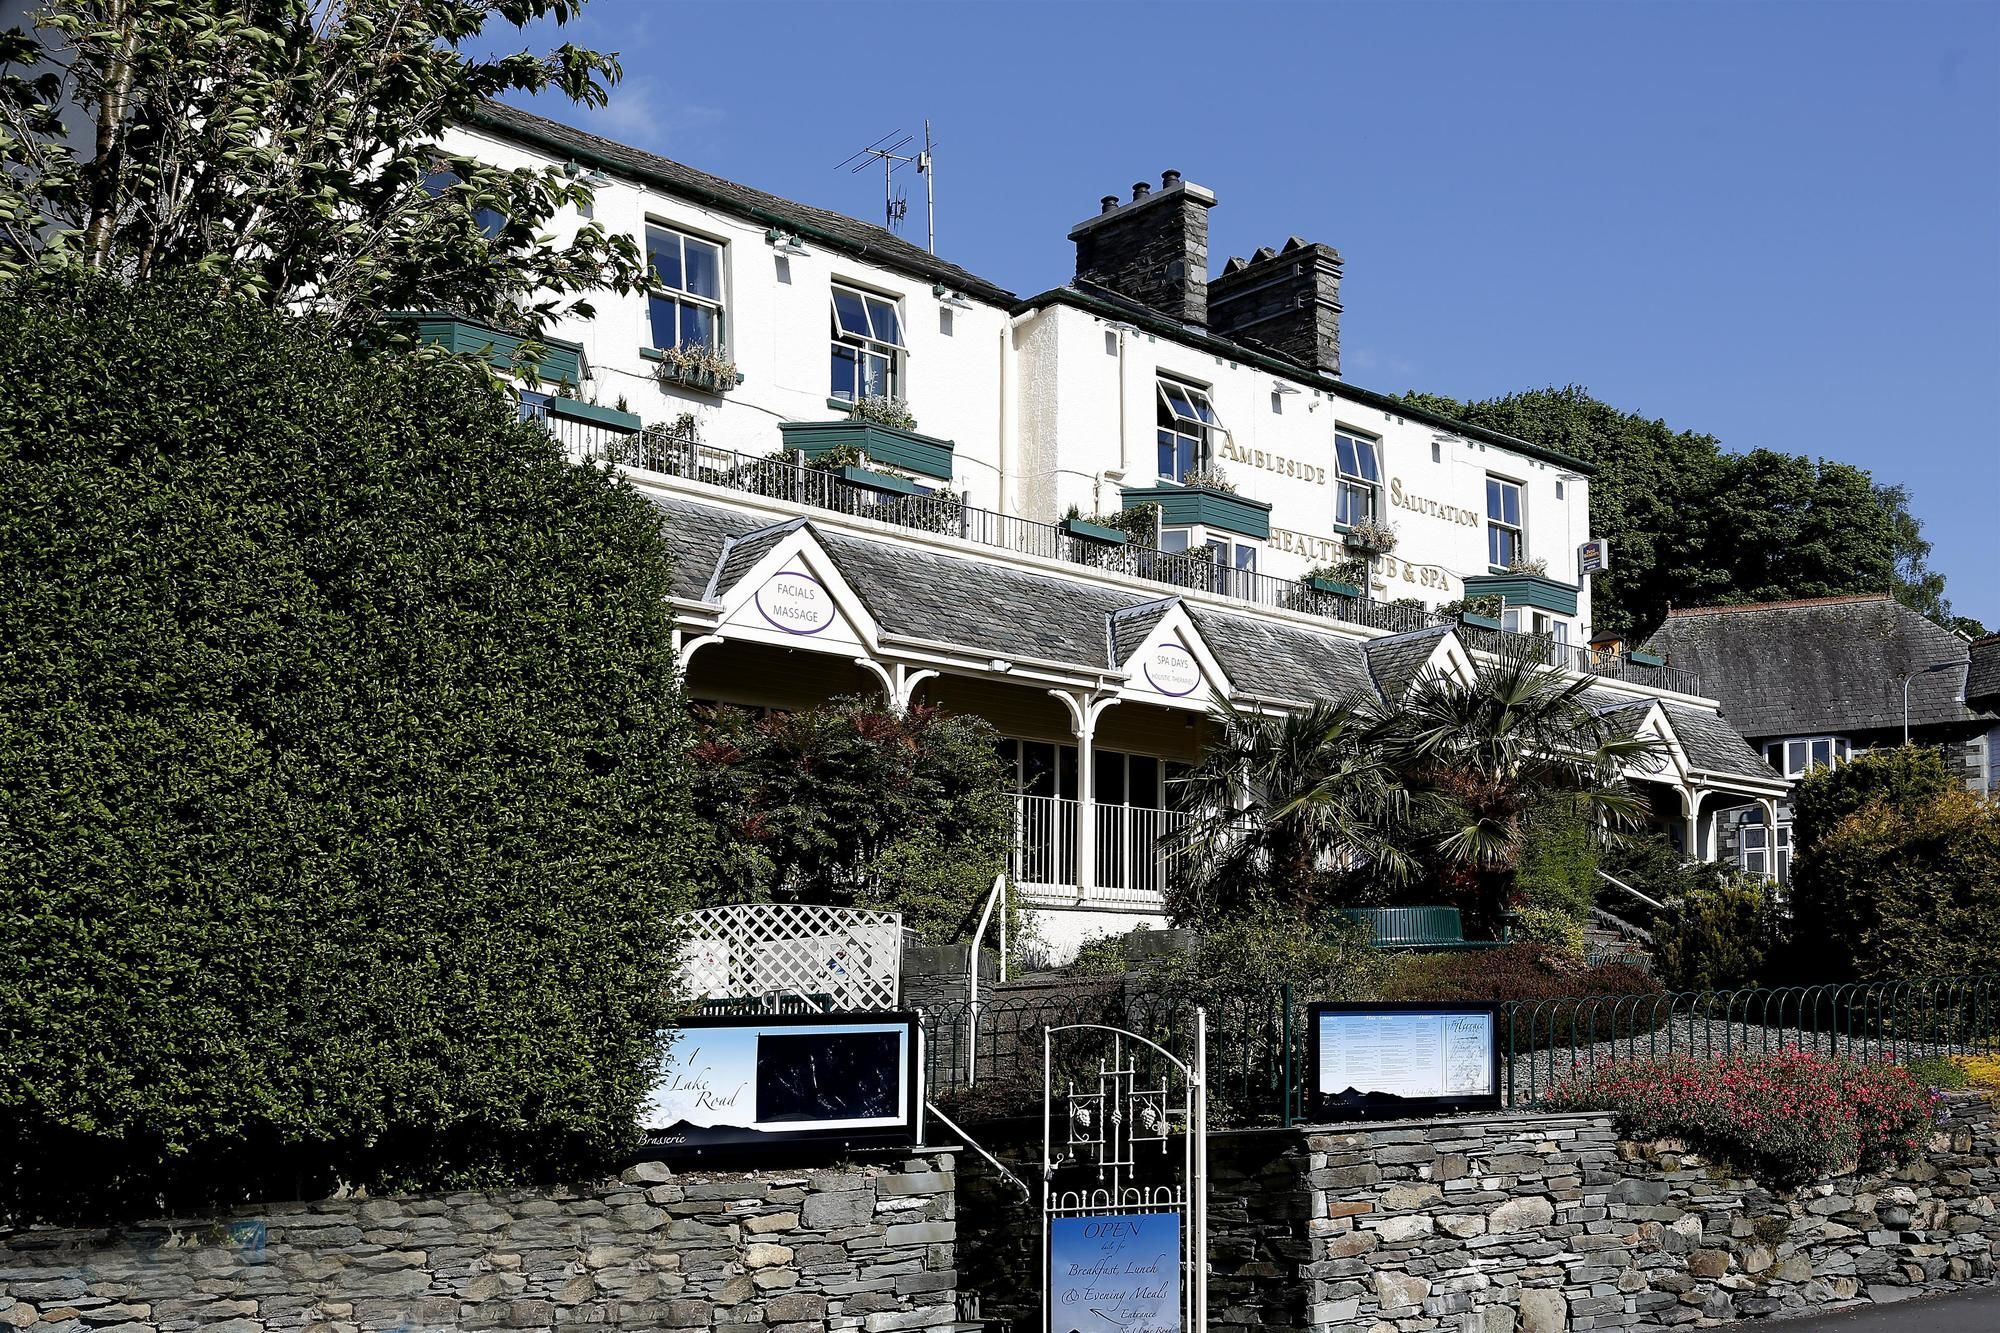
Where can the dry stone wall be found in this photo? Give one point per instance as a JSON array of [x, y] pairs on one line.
[[869, 1248]]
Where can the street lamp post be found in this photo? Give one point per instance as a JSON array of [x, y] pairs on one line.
[[1908, 676]]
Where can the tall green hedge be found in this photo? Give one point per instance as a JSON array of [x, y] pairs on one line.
[[343, 794]]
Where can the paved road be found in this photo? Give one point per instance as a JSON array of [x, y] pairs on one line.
[[1976, 1311]]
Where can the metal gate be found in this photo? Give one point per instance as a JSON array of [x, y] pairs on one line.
[[1127, 1248]]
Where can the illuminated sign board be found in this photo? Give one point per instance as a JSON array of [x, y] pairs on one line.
[[1115, 1273], [1403, 1059], [1593, 557], [849, 1079]]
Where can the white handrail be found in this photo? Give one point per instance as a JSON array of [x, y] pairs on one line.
[[993, 898], [974, 1144], [1653, 903]]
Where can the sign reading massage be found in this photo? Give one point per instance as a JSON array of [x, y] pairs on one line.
[[1171, 669], [1117, 1273], [848, 1078], [796, 602]]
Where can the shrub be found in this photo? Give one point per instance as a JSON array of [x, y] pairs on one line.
[[1555, 931], [1721, 937], [1941, 1072], [1558, 865], [1907, 779], [1566, 1005], [1790, 1117], [884, 411], [1247, 959], [346, 797], [1649, 862], [1981, 1071], [1892, 891], [851, 804]]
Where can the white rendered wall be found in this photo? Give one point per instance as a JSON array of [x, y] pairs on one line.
[[777, 330]]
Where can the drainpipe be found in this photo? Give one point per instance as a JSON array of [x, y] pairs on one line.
[[1009, 489]]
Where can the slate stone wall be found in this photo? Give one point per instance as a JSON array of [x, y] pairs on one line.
[[1539, 1224], [868, 1248]]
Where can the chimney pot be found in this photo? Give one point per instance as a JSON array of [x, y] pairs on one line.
[[1108, 204], [1140, 189], [1169, 179]]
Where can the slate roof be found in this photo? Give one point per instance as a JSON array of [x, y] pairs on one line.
[[1982, 686], [863, 240], [1007, 611], [1395, 663], [1819, 666]]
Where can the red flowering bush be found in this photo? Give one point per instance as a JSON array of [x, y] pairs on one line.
[[1790, 1117]]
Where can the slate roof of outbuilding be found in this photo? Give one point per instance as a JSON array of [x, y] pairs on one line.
[[1819, 666], [1712, 744], [1982, 684], [861, 239], [1284, 661]]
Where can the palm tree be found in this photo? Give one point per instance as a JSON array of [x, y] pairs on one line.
[[1428, 793], [1281, 809]]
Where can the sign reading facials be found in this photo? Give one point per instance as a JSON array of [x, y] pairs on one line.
[[796, 602], [1171, 669]]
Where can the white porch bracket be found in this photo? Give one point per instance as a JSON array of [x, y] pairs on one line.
[[1084, 711]]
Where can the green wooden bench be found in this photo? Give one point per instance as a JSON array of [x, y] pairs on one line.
[[1416, 928]]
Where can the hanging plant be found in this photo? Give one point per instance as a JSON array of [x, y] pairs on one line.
[[1373, 536]]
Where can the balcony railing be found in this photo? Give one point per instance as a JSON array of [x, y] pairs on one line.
[[679, 454], [1131, 865]]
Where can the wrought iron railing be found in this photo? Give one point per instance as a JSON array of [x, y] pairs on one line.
[[678, 453], [985, 1056]]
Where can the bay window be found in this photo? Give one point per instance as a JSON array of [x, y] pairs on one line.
[[1801, 754]]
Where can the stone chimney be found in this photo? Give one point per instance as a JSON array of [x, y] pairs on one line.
[[1153, 249], [1287, 300]]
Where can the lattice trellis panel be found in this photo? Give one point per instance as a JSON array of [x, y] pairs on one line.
[[852, 956]]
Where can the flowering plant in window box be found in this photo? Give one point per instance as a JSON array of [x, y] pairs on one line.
[[1371, 536], [884, 411], [1209, 478], [1347, 578], [700, 366], [1521, 564]]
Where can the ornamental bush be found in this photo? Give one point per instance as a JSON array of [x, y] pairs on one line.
[[1563, 1004], [1722, 937], [1902, 891], [1906, 778], [851, 804], [1790, 1117], [343, 795]]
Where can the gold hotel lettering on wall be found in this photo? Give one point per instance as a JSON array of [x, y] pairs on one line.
[[1270, 462]]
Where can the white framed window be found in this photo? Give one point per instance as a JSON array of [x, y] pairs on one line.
[[1358, 469], [867, 345], [1527, 620], [688, 311], [1799, 755], [1761, 850], [1188, 426], [1506, 537]]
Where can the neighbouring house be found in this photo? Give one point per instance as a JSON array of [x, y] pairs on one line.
[[1084, 515], [1816, 681]]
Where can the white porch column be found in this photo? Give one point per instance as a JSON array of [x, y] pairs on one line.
[[686, 648], [1769, 805], [1083, 715], [1691, 808]]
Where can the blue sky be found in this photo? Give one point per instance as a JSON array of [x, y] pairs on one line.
[[1778, 223]]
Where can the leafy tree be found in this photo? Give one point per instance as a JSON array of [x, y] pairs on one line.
[[1906, 778], [343, 796], [852, 804], [1693, 525], [1905, 889], [1728, 934], [1558, 861], [289, 151]]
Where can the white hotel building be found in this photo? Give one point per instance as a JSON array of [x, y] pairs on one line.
[[957, 562]]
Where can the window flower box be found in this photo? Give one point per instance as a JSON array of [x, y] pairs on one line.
[[1334, 586], [1640, 658], [692, 372], [608, 417], [1183, 506], [905, 449], [1096, 532], [1471, 621], [877, 481], [1370, 537]]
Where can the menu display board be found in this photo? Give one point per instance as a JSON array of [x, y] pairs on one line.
[[1117, 1273], [850, 1078], [1403, 1059]]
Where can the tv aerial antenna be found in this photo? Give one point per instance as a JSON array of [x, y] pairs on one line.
[[889, 150]]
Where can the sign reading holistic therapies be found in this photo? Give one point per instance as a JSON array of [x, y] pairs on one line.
[[1404, 1059], [796, 602], [1171, 669], [1115, 1273], [760, 1079]]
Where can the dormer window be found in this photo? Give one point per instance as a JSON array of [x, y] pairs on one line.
[[1187, 429], [1801, 754], [867, 346]]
